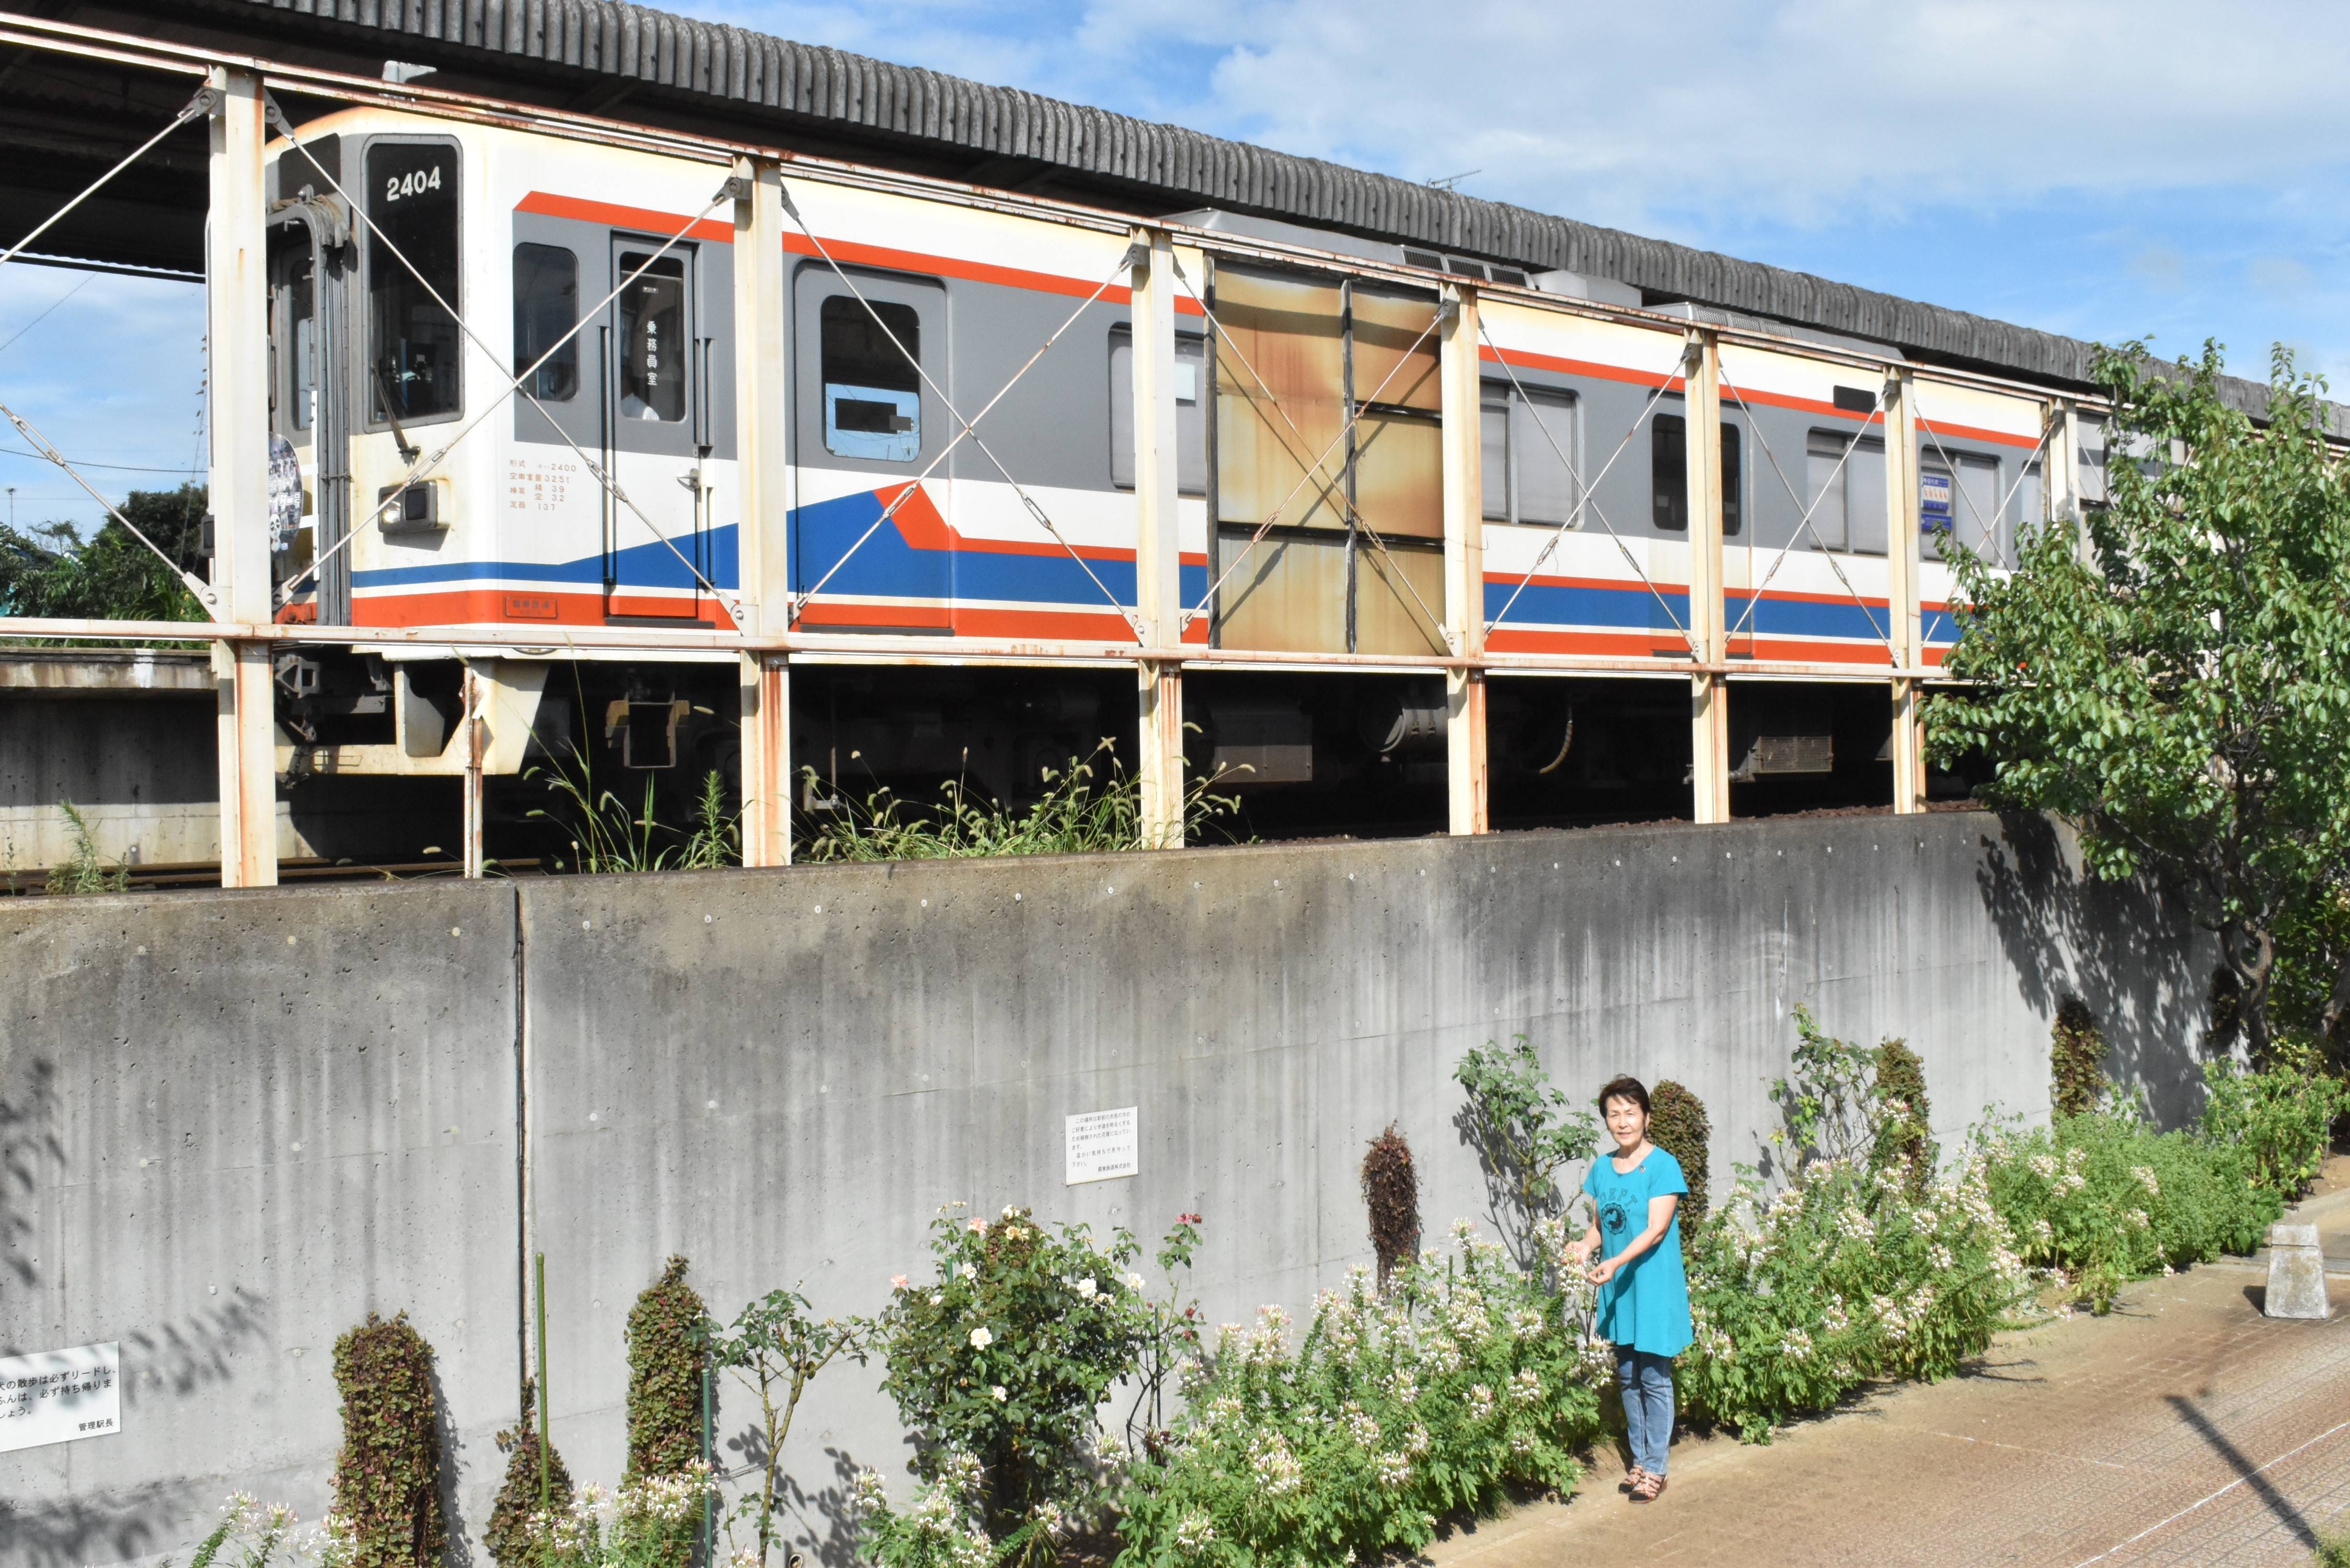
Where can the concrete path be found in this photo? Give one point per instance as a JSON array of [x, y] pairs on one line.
[[2184, 1428]]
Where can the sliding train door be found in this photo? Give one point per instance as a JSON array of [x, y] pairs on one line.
[[656, 347]]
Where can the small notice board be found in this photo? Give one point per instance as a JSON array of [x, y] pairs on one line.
[[56, 1395], [1102, 1145]]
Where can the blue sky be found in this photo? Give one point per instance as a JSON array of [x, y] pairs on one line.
[[2100, 168]]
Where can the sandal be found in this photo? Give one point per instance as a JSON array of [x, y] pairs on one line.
[[1632, 1478], [1649, 1490]]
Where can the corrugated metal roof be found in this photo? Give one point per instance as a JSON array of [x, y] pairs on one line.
[[851, 94]]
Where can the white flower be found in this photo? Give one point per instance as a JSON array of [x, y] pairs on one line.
[[1087, 1288], [1000, 1393], [2145, 1175], [897, 1281], [2044, 1166], [1194, 1532], [1134, 1281], [969, 1270], [981, 1339], [1939, 1257]]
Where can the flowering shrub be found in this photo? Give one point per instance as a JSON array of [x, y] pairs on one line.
[[650, 1520], [1842, 1278], [999, 1367], [255, 1533], [2103, 1198], [1466, 1377], [2283, 1119]]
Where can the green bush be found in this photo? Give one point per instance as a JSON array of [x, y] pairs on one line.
[[511, 1536], [2283, 1120], [1465, 1379], [652, 1521], [999, 1367], [2103, 1198], [388, 1473], [1842, 1278], [666, 1331], [2076, 1060], [1903, 1117], [1678, 1124]]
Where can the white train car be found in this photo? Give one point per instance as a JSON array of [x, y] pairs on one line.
[[419, 264]]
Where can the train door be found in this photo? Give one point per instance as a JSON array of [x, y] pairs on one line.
[[309, 392], [655, 432]]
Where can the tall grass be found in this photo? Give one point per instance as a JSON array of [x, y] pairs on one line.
[[1093, 807], [85, 870], [610, 836]]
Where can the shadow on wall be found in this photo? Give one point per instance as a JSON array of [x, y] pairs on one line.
[[104, 1529], [2069, 934], [29, 1144]]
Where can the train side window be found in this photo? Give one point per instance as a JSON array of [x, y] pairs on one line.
[[414, 346], [656, 338], [546, 307], [872, 391], [1493, 461], [1190, 418], [293, 332], [1669, 475], [1542, 439]]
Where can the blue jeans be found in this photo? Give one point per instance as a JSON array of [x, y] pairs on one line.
[[1648, 1384]]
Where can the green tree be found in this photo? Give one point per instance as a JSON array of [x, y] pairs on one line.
[[2183, 698], [50, 570]]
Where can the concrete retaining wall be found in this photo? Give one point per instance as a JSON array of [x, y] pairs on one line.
[[783, 1074]]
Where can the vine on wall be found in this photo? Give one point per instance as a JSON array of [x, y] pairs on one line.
[[388, 1474]]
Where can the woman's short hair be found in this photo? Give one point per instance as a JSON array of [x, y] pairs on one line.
[[1625, 1086]]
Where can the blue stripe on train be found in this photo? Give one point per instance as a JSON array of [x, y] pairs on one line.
[[652, 564], [1634, 608], [887, 565]]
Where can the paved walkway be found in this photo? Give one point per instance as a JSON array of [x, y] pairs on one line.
[[2184, 1428]]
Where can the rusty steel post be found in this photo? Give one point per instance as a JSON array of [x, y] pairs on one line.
[[1709, 618], [1461, 399], [236, 310], [763, 589], [1903, 568], [1157, 569], [475, 744]]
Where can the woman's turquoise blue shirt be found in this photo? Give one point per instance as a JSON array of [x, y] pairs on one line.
[[1646, 1305]]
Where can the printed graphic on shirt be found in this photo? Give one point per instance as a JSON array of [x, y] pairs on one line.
[[1612, 1219]]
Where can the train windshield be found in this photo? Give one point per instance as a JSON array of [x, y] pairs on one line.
[[413, 348], [872, 391]]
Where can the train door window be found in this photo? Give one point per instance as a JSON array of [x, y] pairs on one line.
[[414, 346], [656, 331], [545, 308], [1961, 506], [1542, 443], [872, 391], [1190, 414], [293, 332], [1669, 475], [1847, 494]]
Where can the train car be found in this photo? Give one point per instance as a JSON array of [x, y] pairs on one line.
[[419, 265]]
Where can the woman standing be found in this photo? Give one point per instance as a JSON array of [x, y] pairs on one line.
[[1644, 1306]]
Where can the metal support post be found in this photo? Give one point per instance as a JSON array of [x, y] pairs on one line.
[[766, 697], [1709, 612], [1158, 581], [1903, 569], [1460, 400], [2059, 478], [475, 741], [236, 304], [765, 585]]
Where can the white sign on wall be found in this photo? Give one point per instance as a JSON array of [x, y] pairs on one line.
[[56, 1395], [1103, 1144]]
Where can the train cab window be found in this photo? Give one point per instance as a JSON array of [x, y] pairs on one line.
[[546, 307], [872, 391], [1669, 475], [1191, 417], [413, 342], [1529, 440], [655, 347]]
